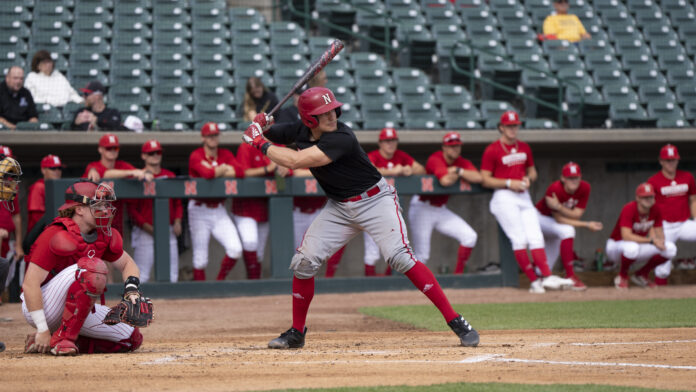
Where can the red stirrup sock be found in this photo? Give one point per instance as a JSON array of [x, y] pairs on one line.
[[539, 257], [425, 281], [198, 274], [625, 265], [226, 266], [302, 294], [523, 261], [462, 257], [370, 270], [650, 265], [253, 267], [568, 256], [332, 262]]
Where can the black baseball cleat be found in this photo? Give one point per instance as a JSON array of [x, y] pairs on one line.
[[291, 338], [468, 336]]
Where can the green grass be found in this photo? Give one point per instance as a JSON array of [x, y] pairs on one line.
[[655, 313], [488, 387]]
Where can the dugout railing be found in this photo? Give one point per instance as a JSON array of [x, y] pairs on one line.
[[280, 193]]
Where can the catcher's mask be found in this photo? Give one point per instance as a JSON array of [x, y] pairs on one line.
[[98, 197], [10, 172]]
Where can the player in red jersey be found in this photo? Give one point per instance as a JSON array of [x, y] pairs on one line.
[[429, 212], [560, 211], [10, 219], [51, 169], [638, 236], [675, 195]]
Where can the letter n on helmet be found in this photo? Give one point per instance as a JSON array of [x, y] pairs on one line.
[[315, 101]]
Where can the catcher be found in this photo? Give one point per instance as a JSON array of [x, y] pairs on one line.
[[66, 273]]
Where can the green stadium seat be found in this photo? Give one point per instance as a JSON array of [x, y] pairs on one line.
[[131, 77], [422, 123], [461, 123], [619, 93], [132, 27], [518, 31], [445, 15], [209, 12], [539, 123], [559, 45], [218, 112], [367, 61], [649, 94], [478, 14], [34, 126], [168, 125], [336, 77], [408, 16], [578, 76], [559, 60], [211, 75], [405, 76], [60, 62], [245, 30], [635, 62], [90, 60], [289, 44], [686, 92], [659, 33], [675, 5], [450, 32], [532, 60], [610, 77], [647, 77], [171, 76], [425, 111], [93, 28], [255, 61], [651, 17], [250, 47], [14, 28], [597, 61], [19, 12], [90, 44], [667, 111], [80, 76], [596, 46], [13, 44], [376, 26], [129, 94], [617, 17], [94, 12], [518, 46], [131, 44], [242, 14], [624, 33], [339, 13], [209, 93], [492, 110], [171, 60], [690, 110], [230, 124], [351, 117], [54, 12], [241, 75], [170, 12], [51, 43], [371, 95], [674, 62], [594, 111], [380, 116], [130, 60], [679, 76], [621, 114], [6, 64], [175, 112], [49, 114], [70, 109], [286, 29], [211, 43], [50, 27], [292, 60], [218, 60], [414, 94], [632, 48], [135, 12], [483, 31], [171, 42], [375, 77]]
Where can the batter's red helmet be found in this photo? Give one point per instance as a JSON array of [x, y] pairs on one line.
[[315, 101]]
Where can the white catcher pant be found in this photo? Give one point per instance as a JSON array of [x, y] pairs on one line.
[[641, 253], [54, 294], [554, 233], [675, 231], [424, 218], [301, 222], [203, 222], [253, 234], [518, 217], [144, 253]]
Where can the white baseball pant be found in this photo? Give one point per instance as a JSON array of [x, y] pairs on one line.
[[675, 231], [301, 222], [554, 233], [204, 222], [518, 217], [54, 294], [641, 253], [144, 253], [424, 218], [253, 234]]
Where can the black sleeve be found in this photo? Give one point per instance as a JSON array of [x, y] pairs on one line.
[[285, 133], [31, 109], [81, 127], [110, 119], [273, 101], [336, 144]]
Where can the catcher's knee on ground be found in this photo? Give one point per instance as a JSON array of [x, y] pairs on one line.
[[304, 266]]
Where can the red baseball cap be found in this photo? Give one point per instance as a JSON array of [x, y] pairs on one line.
[[50, 161], [210, 128], [510, 117], [6, 151], [571, 169], [388, 134], [669, 152], [645, 189], [150, 146], [452, 139], [108, 140]]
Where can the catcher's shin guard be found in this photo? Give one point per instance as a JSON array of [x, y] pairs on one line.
[[94, 345], [253, 267], [77, 307]]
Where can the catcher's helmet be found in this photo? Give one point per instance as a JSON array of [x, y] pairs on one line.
[[98, 197], [10, 172], [315, 101]]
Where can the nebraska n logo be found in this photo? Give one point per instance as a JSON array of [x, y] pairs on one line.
[[327, 99]]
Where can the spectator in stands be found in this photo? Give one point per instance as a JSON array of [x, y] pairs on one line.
[[319, 80], [257, 99], [140, 212], [16, 102], [51, 169], [562, 25], [48, 85], [96, 116]]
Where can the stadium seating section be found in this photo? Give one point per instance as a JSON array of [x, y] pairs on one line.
[[177, 64]]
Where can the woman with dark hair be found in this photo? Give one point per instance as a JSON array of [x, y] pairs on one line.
[[48, 85], [257, 99]]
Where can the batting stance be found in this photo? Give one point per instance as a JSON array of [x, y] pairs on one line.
[[638, 236], [560, 211], [429, 212], [359, 200], [508, 167], [675, 195], [66, 273]]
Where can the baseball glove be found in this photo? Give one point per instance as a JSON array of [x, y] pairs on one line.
[[139, 314]]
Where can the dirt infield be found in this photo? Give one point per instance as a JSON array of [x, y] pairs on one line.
[[219, 344]]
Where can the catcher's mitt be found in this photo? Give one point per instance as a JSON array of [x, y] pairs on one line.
[[138, 314]]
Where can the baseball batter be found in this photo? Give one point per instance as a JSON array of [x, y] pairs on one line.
[[638, 236], [508, 167], [359, 200], [66, 273], [560, 211], [51, 169], [430, 212], [208, 216], [140, 211], [675, 196]]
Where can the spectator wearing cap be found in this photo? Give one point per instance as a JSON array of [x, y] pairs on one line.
[[16, 103], [638, 236], [564, 26], [96, 116], [51, 169], [140, 212], [560, 212], [10, 222], [48, 85], [208, 216], [507, 166], [675, 196], [429, 212]]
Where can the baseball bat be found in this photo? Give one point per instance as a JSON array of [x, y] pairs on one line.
[[318, 64]]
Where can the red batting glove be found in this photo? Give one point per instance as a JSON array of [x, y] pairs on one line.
[[265, 121], [253, 136]]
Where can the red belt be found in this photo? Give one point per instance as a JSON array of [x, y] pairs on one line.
[[369, 193], [207, 204]]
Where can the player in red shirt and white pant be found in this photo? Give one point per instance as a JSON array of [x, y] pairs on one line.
[[140, 211], [208, 216], [428, 212], [508, 167], [675, 195], [560, 211], [51, 169], [638, 236], [10, 172]]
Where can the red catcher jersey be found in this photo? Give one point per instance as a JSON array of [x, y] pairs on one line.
[[199, 170], [7, 224], [399, 158], [507, 161], [672, 196], [577, 199], [140, 210], [437, 166], [36, 203], [639, 224], [117, 222], [249, 157]]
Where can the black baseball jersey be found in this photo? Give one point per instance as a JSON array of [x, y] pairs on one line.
[[349, 174], [107, 120]]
